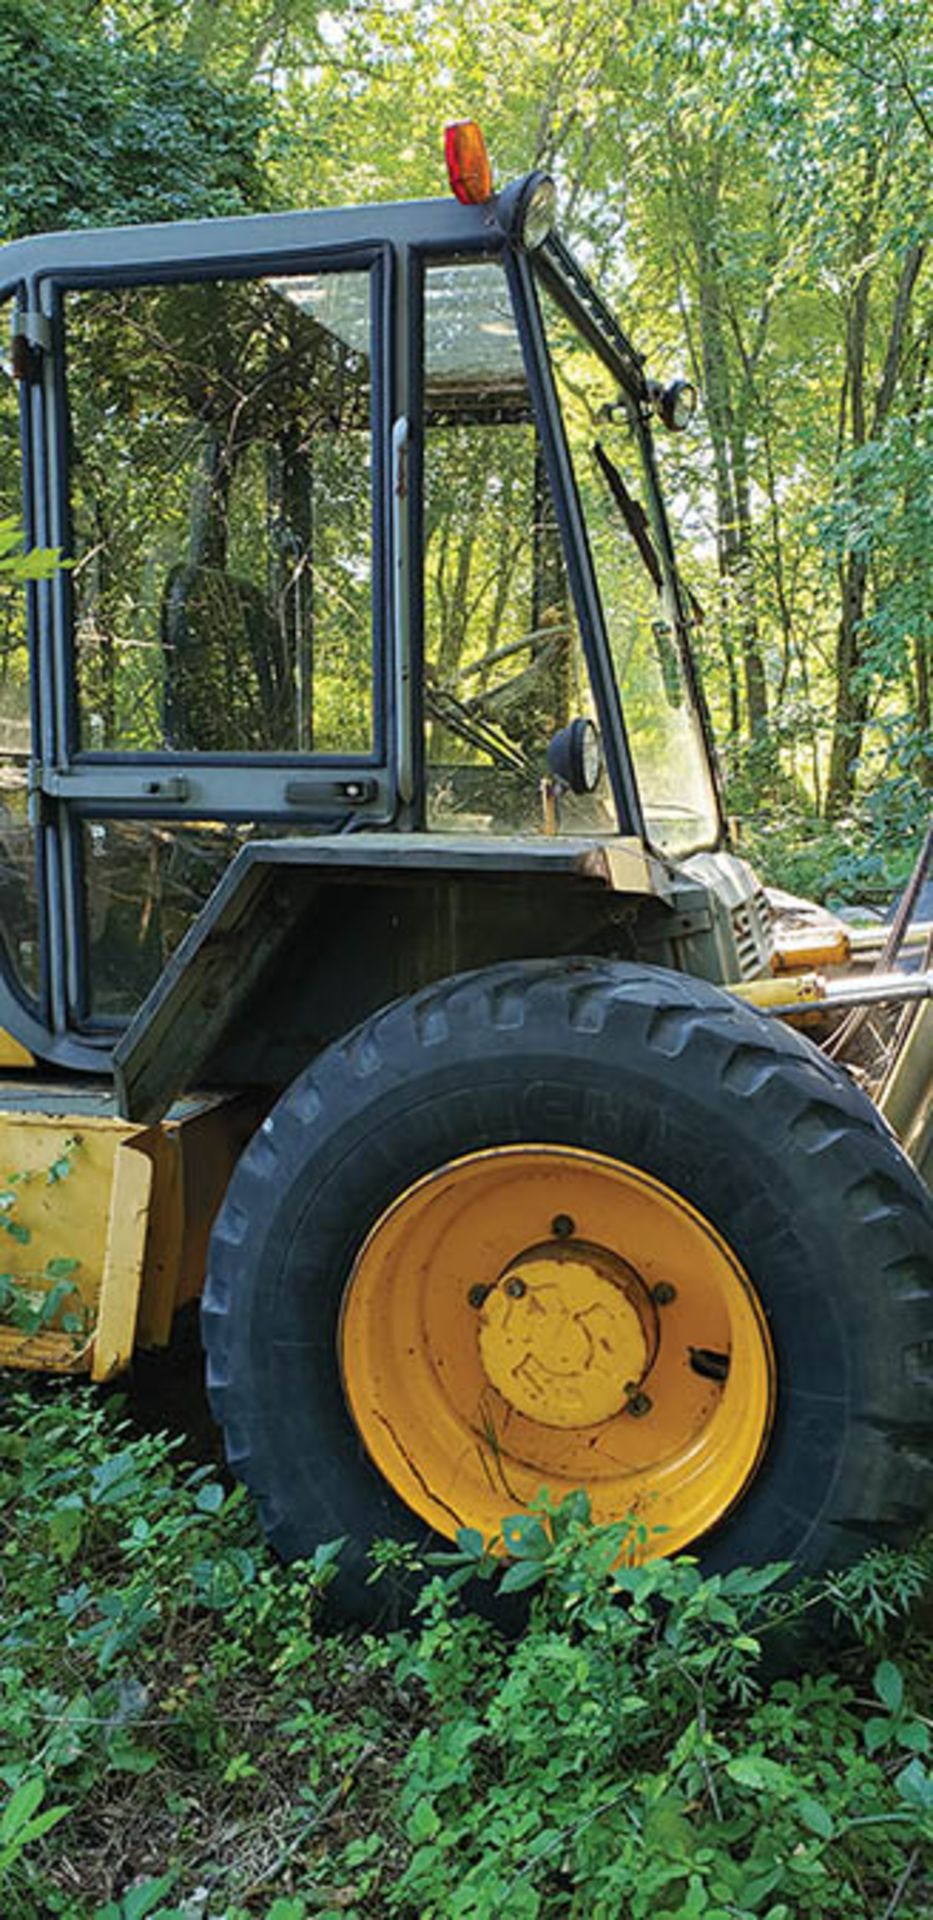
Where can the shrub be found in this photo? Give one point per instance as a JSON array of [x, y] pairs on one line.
[[186, 1736]]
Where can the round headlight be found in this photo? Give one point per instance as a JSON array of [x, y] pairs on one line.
[[674, 404], [526, 209], [575, 756], [682, 403]]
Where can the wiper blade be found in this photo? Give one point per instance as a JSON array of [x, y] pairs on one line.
[[444, 706], [636, 519], [633, 513]]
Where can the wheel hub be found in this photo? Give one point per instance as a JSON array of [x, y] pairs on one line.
[[530, 1316], [567, 1334]]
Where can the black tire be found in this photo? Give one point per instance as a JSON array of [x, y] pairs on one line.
[[772, 1143]]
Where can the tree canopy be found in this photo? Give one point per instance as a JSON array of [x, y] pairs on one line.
[[752, 187]]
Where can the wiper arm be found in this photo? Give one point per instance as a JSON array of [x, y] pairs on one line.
[[444, 706], [633, 513], [636, 519]]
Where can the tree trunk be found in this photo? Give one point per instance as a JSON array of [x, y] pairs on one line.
[[852, 692], [733, 495]]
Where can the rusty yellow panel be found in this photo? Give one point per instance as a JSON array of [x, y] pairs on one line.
[[44, 1352], [56, 1188], [12, 1054], [796, 952], [194, 1156], [124, 1253], [120, 1213]]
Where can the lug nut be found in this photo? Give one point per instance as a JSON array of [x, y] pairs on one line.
[[477, 1295], [562, 1226], [515, 1287], [639, 1404], [663, 1293]]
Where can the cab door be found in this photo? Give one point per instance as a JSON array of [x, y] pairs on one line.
[[217, 645], [22, 974]]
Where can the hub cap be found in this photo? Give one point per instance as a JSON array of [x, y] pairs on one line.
[[567, 1335]]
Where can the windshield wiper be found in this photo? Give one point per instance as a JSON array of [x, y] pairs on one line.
[[452, 713], [633, 513], [636, 519]]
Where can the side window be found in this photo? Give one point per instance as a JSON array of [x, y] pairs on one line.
[[221, 505], [19, 920], [504, 664]]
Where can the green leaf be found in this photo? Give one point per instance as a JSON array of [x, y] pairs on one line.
[[915, 1786], [137, 1902], [60, 1269], [889, 1685], [877, 1732], [524, 1537], [210, 1498], [915, 1736], [762, 1775], [470, 1541], [21, 1822], [124, 1757], [66, 1527], [423, 1821], [114, 1478], [525, 1573], [815, 1816], [327, 1554], [746, 1582], [574, 1510], [21, 1806], [54, 1301]]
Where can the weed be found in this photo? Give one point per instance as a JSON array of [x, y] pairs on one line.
[[185, 1738]]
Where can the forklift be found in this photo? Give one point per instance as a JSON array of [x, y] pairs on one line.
[[374, 958]]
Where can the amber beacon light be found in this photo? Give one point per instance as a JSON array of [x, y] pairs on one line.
[[468, 167]]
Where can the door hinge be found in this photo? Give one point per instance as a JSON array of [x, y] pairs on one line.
[[32, 337], [37, 806]]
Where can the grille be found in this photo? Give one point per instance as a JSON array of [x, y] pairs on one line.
[[751, 927]]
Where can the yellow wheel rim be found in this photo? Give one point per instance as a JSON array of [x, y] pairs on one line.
[[542, 1316]]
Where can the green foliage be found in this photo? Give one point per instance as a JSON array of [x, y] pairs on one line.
[[626, 1757], [21, 1820], [99, 130], [748, 183], [39, 563], [177, 1716], [141, 1625], [866, 857]]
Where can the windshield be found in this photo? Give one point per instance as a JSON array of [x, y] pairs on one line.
[[664, 732], [504, 663]]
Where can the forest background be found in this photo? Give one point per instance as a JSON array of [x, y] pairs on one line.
[[749, 180]]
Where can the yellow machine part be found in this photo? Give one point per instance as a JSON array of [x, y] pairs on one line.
[[625, 1351], [808, 988], [800, 950], [13, 1054], [120, 1215]]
